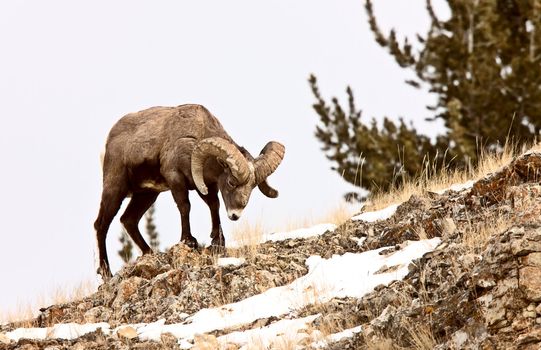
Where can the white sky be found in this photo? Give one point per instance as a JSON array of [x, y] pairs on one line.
[[70, 69]]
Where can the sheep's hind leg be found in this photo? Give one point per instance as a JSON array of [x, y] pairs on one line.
[[139, 204], [110, 204]]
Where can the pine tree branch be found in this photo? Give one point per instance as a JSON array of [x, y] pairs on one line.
[[402, 55], [435, 20]]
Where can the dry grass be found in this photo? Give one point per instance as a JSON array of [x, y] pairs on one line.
[[433, 179], [58, 295], [315, 296], [421, 336], [477, 234], [380, 344], [248, 236], [337, 215]]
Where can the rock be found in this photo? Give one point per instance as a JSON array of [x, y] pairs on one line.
[[127, 332], [166, 284], [384, 318], [97, 314], [469, 260], [205, 342], [538, 309], [292, 243], [126, 289], [493, 309], [530, 282], [447, 227], [4, 339], [169, 340], [533, 336], [81, 346], [148, 266], [505, 286], [84, 306], [532, 259], [486, 283], [524, 246], [528, 314], [51, 315], [28, 347], [459, 338], [520, 324]]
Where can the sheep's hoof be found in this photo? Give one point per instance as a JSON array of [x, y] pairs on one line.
[[218, 242], [105, 272], [190, 242]]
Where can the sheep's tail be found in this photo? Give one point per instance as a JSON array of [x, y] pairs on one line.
[[102, 155]]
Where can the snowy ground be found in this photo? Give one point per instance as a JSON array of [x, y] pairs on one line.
[[458, 187], [308, 232], [348, 275], [372, 216]]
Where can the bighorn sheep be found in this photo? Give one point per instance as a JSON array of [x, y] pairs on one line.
[[179, 149]]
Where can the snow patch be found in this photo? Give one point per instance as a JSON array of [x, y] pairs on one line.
[[348, 333], [150, 331], [230, 261], [372, 216], [308, 232], [67, 331], [335, 337], [268, 337], [457, 187], [359, 241]]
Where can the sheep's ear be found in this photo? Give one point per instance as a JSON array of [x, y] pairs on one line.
[[267, 190]]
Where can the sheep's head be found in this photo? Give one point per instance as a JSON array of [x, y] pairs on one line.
[[241, 172]]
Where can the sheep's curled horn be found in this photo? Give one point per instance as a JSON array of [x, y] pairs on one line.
[[222, 150], [265, 164]]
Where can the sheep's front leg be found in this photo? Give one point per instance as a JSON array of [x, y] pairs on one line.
[[180, 195], [214, 205]]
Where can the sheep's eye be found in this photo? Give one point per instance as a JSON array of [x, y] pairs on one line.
[[231, 183]]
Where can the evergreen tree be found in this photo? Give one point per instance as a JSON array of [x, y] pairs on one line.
[[126, 252], [483, 63], [154, 242]]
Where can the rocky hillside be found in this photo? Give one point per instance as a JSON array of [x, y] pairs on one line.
[[479, 288]]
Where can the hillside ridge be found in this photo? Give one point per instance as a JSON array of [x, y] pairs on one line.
[[472, 280]]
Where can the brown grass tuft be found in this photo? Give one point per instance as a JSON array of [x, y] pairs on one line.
[[477, 234], [433, 179], [248, 236], [337, 215], [58, 295]]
